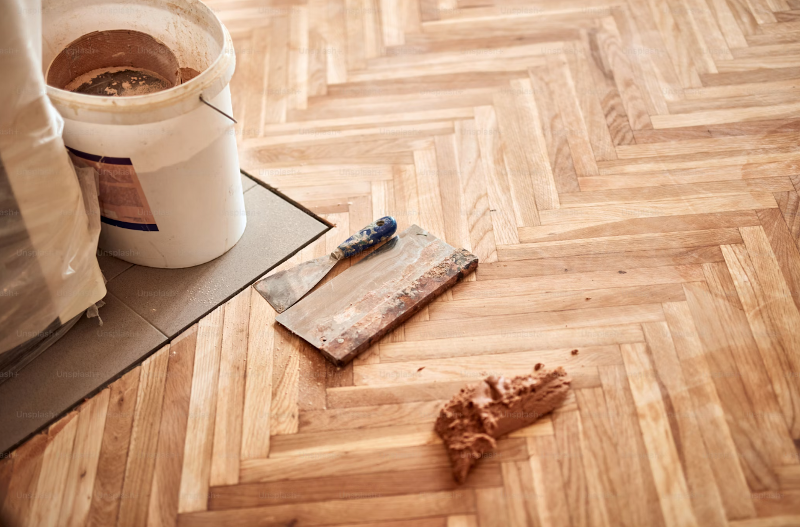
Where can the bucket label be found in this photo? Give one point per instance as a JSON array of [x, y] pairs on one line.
[[122, 200]]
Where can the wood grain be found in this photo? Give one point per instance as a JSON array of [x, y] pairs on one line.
[[198, 446], [84, 460], [709, 411], [230, 392], [28, 460], [144, 440], [668, 474], [49, 493], [258, 384], [110, 477], [626, 172], [163, 510]]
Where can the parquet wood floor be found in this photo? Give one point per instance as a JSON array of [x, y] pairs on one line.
[[628, 174]]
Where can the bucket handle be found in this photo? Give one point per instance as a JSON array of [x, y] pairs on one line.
[[217, 109]]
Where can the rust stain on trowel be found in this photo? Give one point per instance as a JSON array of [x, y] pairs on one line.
[[348, 314]]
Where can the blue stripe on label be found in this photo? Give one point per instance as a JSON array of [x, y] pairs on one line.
[[101, 159], [151, 227]]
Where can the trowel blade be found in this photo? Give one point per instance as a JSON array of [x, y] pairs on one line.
[[282, 290]]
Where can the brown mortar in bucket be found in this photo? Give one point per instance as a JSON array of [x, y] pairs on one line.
[[117, 63]]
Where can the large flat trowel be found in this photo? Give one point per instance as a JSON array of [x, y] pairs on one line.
[[282, 290]]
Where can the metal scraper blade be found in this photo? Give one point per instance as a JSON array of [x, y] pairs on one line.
[[282, 290]]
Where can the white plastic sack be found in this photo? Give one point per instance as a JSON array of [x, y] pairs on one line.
[[48, 268]]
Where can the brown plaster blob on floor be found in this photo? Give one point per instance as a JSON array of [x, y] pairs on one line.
[[479, 414]]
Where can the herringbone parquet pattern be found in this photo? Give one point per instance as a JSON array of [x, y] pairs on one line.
[[627, 174]]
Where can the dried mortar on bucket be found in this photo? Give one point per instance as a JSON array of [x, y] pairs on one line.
[[117, 63]]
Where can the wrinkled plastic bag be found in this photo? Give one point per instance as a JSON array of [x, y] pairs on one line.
[[48, 268]]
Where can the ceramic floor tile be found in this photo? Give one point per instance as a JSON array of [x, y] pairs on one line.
[[146, 307], [84, 359], [172, 299], [110, 265]]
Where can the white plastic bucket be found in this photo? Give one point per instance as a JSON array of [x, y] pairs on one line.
[[172, 162]]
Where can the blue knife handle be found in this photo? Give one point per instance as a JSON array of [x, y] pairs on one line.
[[372, 234]]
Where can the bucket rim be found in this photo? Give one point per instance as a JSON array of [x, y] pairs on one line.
[[210, 82]]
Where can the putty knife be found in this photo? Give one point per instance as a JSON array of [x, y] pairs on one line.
[[282, 290], [346, 315]]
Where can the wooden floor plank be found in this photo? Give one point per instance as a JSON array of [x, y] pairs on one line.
[[24, 480], [644, 209], [370, 416], [544, 188], [258, 383], [664, 459], [556, 301], [751, 369], [284, 410], [517, 169], [430, 200], [316, 443], [491, 507], [709, 410], [776, 184], [502, 325], [773, 325], [599, 454], [347, 487], [230, 392], [624, 243], [511, 343], [163, 509], [196, 467], [368, 461], [546, 93], [577, 135], [592, 111], [84, 460], [48, 494], [785, 251], [789, 203], [340, 511], [454, 211], [700, 482], [107, 492], [141, 462], [472, 182], [567, 437], [638, 487], [747, 428], [443, 370], [547, 485], [666, 224], [519, 498], [609, 42], [498, 185], [617, 275], [602, 262], [6, 472]]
